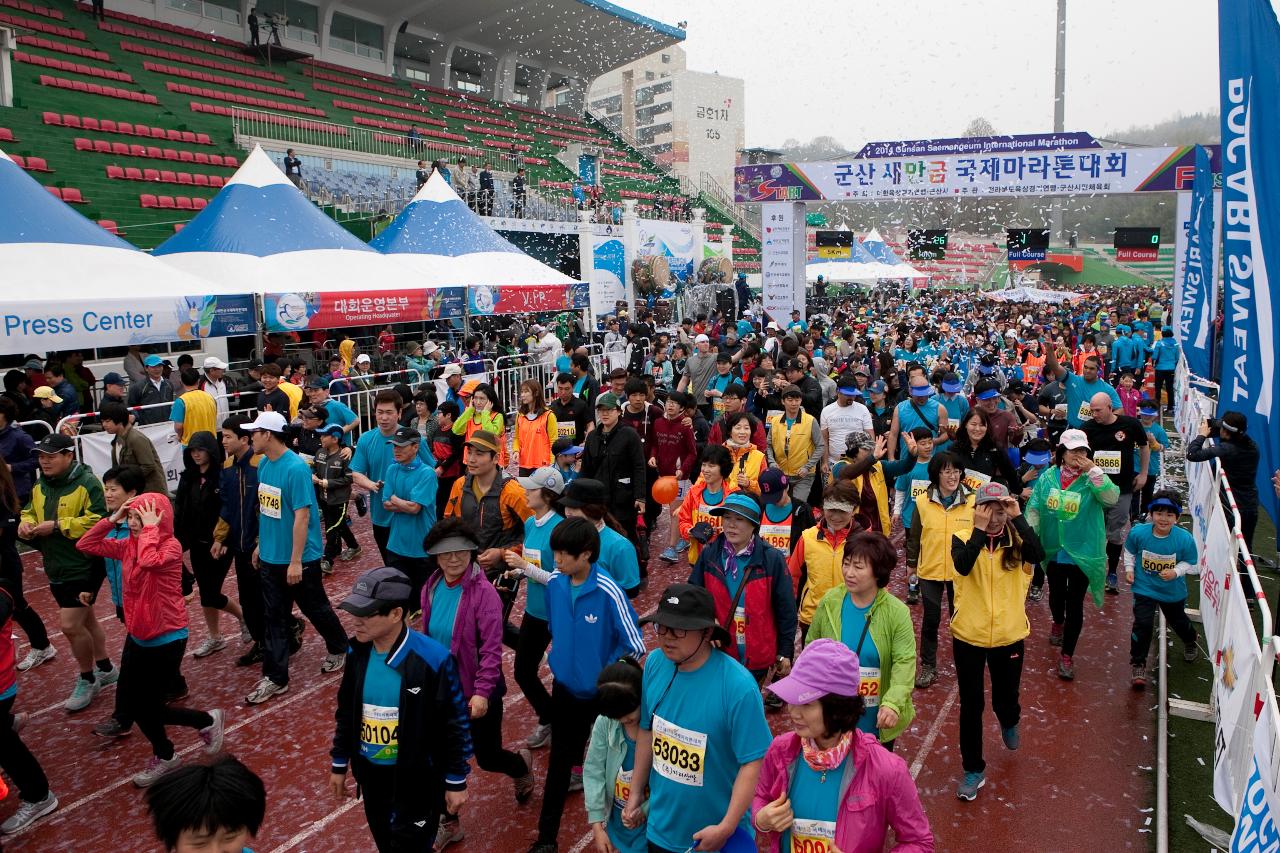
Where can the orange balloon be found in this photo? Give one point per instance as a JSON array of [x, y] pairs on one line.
[[665, 490]]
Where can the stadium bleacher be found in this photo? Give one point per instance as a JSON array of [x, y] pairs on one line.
[[141, 94]]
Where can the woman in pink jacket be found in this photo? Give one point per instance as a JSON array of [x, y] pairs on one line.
[[827, 786], [155, 617]]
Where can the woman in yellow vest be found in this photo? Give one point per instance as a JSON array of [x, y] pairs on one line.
[[697, 525], [535, 430], [943, 511], [748, 462], [815, 562], [993, 563], [795, 443], [482, 415], [862, 467]]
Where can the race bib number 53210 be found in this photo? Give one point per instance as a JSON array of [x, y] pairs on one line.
[[679, 754]]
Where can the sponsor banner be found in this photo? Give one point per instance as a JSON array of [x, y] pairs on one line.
[[293, 312], [482, 299], [608, 282], [95, 450], [1196, 279], [1249, 41], [1104, 170], [1258, 819], [57, 325], [1236, 660], [675, 240], [782, 258], [980, 144]]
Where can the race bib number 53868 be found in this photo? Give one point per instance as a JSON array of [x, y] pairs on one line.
[[679, 754]]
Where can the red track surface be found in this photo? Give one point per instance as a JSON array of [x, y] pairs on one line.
[[1081, 777]]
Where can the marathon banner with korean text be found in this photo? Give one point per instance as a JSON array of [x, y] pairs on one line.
[[294, 312], [1196, 280], [1109, 170], [53, 325], [513, 299], [1249, 42]]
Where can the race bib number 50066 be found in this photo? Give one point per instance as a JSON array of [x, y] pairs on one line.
[[679, 754]]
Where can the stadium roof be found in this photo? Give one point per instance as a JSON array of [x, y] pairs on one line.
[[588, 36]]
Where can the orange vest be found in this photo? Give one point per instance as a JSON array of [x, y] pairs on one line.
[[532, 440], [1032, 367]]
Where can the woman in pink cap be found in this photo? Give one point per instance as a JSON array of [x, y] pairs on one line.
[[815, 778]]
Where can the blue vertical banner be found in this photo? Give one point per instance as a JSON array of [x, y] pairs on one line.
[[1197, 300], [1248, 44]]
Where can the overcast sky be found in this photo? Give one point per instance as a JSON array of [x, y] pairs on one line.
[[915, 69]]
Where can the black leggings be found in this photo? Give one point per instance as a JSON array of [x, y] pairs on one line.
[[210, 573], [534, 638], [486, 741], [145, 673], [1144, 614], [17, 761], [1068, 586], [23, 614]]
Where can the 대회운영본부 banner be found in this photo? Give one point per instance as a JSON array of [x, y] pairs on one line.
[[40, 326], [294, 312]]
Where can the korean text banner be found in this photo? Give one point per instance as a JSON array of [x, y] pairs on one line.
[[1112, 170], [1197, 297], [482, 299], [42, 326], [1249, 41], [293, 312]]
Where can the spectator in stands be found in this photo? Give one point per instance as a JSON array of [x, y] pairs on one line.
[[253, 28], [133, 364], [149, 391], [99, 13], [443, 168], [293, 168], [519, 192], [472, 181], [422, 174], [486, 191], [35, 375]]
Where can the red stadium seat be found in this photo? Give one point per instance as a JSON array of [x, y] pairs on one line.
[[202, 158], [184, 203], [107, 125], [6, 135], [168, 177], [186, 156], [83, 144], [53, 118], [19, 160], [216, 180], [124, 127], [151, 174], [148, 200], [201, 180], [199, 203], [154, 153], [166, 202], [177, 226], [120, 149], [70, 120], [91, 123], [115, 172], [185, 178], [136, 150], [173, 135], [110, 225], [170, 154], [37, 164], [203, 139], [188, 136], [216, 160], [102, 146], [228, 160], [72, 195], [55, 192], [132, 174]]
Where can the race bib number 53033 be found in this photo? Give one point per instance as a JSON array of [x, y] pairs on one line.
[[679, 754]]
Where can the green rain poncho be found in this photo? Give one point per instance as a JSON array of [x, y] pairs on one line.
[[1073, 519]]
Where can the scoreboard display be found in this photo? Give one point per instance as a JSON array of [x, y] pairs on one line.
[[834, 244], [927, 244], [1137, 244], [1027, 244]]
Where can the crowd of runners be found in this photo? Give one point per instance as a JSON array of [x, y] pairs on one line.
[[789, 470]]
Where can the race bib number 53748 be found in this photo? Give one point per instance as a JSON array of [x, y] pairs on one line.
[[679, 754]]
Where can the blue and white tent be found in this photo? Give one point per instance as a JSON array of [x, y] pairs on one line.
[[440, 237], [68, 283], [262, 234], [875, 246]]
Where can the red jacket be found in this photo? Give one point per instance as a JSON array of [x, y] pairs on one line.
[[670, 442], [151, 570]]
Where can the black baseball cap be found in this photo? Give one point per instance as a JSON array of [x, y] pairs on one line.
[[55, 443], [687, 607], [583, 492], [375, 588], [404, 436]]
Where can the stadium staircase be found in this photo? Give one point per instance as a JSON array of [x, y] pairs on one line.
[[131, 121]]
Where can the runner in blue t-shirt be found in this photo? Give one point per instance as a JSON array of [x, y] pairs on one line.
[[336, 411], [409, 494], [373, 457], [1157, 558], [290, 545], [1080, 387], [702, 729]]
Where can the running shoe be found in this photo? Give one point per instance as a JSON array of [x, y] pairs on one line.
[[1066, 668], [449, 832], [111, 729], [251, 657], [107, 677], [333, 663], [350, 554], [156, 767], [209, 646], [1012, 737], [913, 594], [245, 635], [1055, 634], [1138, 673], [213, 735], [326, 567], [1190, 651], [541, 737], [1113, 584], [265, 690], [927, 675], [35, 657], [670, 555], [682, 545], [575, 780], [969, 785], [81, 695], [526, 783], [28, 813], [1035, 593]]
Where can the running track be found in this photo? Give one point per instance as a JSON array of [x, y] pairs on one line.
[[1084, 769]]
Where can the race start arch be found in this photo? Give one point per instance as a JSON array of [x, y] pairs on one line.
[[1072, 165]]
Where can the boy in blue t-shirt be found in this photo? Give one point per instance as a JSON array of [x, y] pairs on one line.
[[1158, 440], [1157, 558]]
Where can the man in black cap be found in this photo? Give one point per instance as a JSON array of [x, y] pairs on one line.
[[703, 733], [402, 724], [614, 454]]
